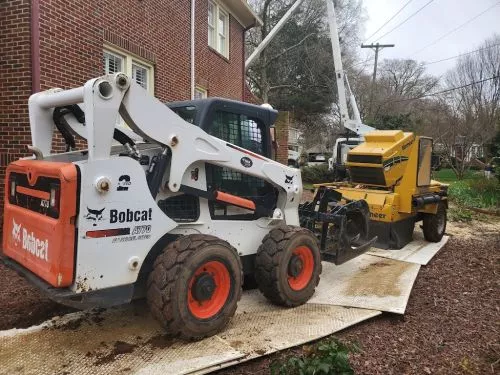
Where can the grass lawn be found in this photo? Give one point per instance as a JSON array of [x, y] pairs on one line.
[[448, 176]]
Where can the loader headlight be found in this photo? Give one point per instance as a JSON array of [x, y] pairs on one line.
[[13, 188], [55, 196]]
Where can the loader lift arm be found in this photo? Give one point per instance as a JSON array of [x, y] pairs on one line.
[[183, 144]]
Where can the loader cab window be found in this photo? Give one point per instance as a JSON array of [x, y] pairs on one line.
[[238, 129], [424, 162], [187, 113], [248, 133]]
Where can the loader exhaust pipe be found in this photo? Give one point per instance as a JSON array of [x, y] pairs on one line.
[[36, 151]]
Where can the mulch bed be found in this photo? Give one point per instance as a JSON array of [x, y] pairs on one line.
[[451, 324]]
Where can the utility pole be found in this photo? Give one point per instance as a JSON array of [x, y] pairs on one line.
[[376, 47]]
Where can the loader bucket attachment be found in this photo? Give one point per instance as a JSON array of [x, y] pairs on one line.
[[342, 229]]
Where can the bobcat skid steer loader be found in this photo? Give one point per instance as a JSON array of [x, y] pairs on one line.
[[178, 206]]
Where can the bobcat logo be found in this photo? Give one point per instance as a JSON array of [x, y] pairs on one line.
[[16, 231], [95, 215], [288, 179]]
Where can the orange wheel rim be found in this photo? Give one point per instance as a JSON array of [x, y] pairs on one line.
[[209, 289], [302, 268]]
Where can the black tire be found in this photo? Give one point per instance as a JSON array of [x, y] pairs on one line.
[[171, 292], [434, 225], [275, 259]]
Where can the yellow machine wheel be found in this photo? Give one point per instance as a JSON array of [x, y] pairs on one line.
[[434, 225]]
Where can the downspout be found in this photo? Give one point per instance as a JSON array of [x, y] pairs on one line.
[[193, 14], [35, 46]]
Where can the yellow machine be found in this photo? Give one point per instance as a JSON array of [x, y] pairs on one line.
[[391, 171]]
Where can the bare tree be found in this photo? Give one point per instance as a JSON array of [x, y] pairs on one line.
[[401, 80], [474, 100]]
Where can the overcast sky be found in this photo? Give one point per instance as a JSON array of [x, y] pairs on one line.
[[434, 21]]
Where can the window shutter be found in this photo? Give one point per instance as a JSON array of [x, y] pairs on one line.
[[112, 63], [140, 75]]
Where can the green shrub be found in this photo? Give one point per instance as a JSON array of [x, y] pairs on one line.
[[316, 174], [479, 192], [457, 213], [330, 357]]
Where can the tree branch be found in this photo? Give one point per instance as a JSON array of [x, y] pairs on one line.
[[288, 49]]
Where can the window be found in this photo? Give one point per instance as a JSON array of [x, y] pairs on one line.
[[112, 63], [140, 75], [218, 28], [200, 93], [140, 71], [211, 26], [187, 113], [249, 133]]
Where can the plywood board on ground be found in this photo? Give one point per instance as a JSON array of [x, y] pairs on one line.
[[367, 282], [418, 251]]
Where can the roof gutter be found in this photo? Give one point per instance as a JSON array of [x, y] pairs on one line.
[[35, 45]]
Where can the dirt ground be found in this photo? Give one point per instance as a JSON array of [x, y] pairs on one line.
[[451, 325], [21, 304]]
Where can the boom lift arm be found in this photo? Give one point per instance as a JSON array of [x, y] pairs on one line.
[[355, 125]]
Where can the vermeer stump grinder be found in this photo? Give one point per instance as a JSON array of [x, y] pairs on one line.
[[181, 202]]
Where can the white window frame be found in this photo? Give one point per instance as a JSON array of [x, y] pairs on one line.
[[212, 27], [130, 59], [217, 32], [201, 91]]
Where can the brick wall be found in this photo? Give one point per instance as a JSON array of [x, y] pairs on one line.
[[72, 35], [220, 76], [282, 124], [15, 83]]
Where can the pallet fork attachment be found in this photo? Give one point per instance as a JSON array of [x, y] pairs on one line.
[[342, 229]]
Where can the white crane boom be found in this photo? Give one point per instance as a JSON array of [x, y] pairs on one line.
[[355, 124], [337, 61], [275, 30]]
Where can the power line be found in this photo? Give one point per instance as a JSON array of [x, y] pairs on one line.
[[460, 55], [456, 28], [447, 90], [406, 20], [389, 20]]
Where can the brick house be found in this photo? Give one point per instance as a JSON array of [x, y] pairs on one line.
[[63, 43]]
